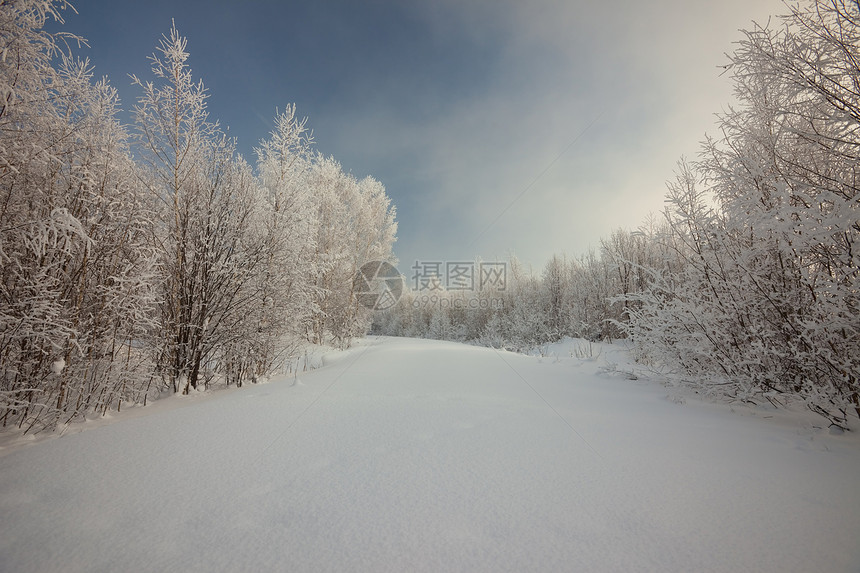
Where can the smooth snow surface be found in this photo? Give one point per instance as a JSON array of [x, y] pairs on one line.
[[412, 455]]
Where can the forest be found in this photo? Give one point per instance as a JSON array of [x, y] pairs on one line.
[[151, 258]]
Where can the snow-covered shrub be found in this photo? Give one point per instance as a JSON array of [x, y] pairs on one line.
[[764, 295]]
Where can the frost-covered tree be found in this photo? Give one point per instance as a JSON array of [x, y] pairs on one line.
[[204, 198], [589, 290], [334, 191], [74, 269], [284, 285], [554, 287], [766, 226], [109, 292], [120, 278], [355, 225]]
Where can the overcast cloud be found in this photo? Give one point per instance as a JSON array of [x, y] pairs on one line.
[[497, 127]]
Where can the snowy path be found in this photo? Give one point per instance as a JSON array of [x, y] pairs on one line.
[[407, 455]]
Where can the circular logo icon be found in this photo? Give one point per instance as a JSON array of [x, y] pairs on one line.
[[377, 285]]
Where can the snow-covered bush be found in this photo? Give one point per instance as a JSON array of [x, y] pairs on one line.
[[75, 272], [764, 295]]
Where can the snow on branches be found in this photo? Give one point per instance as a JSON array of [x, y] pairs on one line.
[[122, 277]]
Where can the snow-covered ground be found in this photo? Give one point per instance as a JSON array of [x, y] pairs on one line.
[[413, 455]]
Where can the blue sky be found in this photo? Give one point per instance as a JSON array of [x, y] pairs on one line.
[[529, 127]]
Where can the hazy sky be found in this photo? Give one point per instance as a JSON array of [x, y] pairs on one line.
[[529, 127]]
